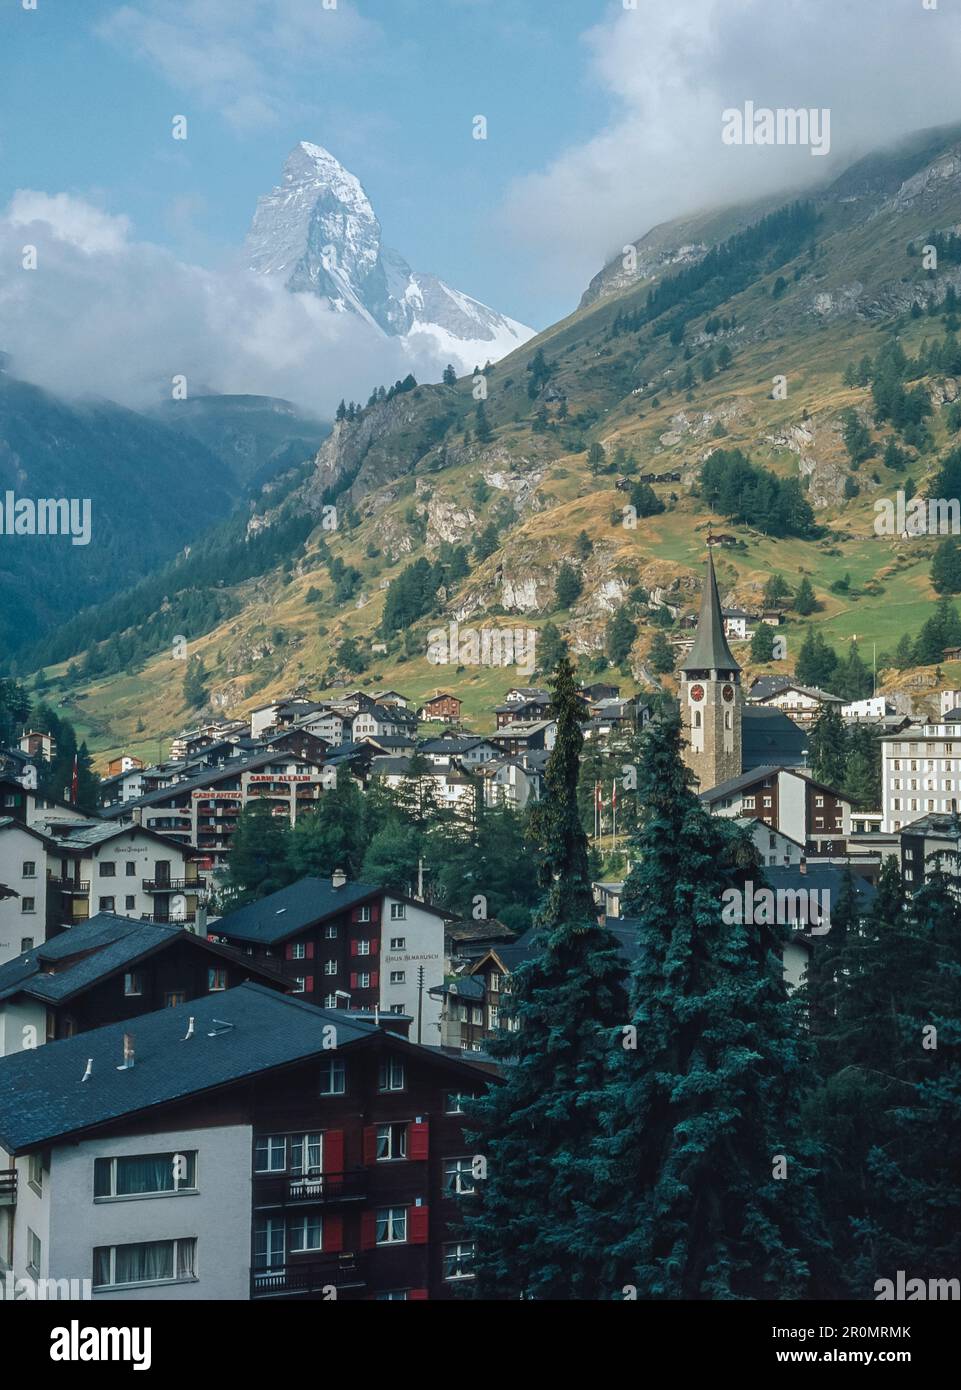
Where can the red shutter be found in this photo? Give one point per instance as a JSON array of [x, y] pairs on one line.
[[333, 1154], [375, 912], [374, 945], [355, 914], [418, 1140], [289, 951], [417, 1223], [374, 979], [353, 948], [310, 950], [413, 1294], [353, 979], [333, 1235], [308, 984], [368, 1230], [370, 1144]]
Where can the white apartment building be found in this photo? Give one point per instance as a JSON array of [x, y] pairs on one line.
[[412, 937], [23, 870], [920, 774]]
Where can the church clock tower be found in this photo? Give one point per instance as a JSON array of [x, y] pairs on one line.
[[711, 696]]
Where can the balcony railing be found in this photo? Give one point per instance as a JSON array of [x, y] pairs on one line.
[[174, 885], [70, 885], [8, 1187], [310, 1277], [324, 1190]]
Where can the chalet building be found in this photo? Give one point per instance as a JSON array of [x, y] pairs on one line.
[[193, 741], [350, 946], [441, 706], [297, 1151], [109, 970], [392, 699], [920, 774], [523, 703], [43, 747], [470, 750], [599, 690], [466, 941], [472, 1012], [774, 848], [382, 719], [802, 703], [736, 623], [816, 816], [509, 782], [521, 737], [124, 763]]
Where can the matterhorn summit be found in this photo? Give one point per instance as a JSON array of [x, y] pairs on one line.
[[318, 231]]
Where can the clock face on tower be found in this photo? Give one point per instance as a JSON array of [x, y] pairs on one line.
[[728, 693], [697, 693]]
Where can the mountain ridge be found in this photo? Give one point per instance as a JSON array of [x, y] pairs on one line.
[[433, 469]]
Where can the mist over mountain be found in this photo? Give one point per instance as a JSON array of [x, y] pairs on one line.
[[317, 231]]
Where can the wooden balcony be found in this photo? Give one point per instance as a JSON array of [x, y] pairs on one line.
[[302, 1279], [8, 1187], [327, 1189]]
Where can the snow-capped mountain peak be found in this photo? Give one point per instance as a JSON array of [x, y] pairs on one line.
[[318, 231]]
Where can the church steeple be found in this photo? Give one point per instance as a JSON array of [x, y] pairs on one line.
[[711, 695], [710, 651]]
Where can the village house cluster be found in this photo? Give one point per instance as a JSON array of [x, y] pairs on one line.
[[291, 1073]]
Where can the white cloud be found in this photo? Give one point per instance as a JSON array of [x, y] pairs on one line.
[[240, 56], [670, 70], [70, 220], [106, 315]]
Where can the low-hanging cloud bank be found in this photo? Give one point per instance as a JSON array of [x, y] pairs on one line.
[[85, 309], [672, 69]]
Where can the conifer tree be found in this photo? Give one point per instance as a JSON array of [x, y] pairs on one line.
[[259, 855], [709, 1193], [827, 747], [534, 1130]]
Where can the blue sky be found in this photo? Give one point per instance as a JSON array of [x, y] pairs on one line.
[[82, 112]]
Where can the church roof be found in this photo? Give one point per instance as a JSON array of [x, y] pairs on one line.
[[710, 651]]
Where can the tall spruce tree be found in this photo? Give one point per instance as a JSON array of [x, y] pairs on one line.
[[709, 1192], [535, 1130]]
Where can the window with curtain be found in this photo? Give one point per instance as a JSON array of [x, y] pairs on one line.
[[148, 1262], [305, 1153], [391, 1225], [141, 1175], [270, 1153]]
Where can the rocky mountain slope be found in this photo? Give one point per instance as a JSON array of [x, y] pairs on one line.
[[318, 231], [748, 339]]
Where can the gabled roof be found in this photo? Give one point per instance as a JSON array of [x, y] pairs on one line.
[[737, 784], [813, 691], [94, 950], [43, 1097], [710, 651], [768, 735], [291, 910]]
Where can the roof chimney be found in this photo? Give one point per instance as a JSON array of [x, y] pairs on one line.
[[338, 878], [190, 1031], [128, 1053], [802, 867], [87, 1074]]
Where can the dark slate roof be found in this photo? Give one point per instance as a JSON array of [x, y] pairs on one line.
[[291, 910], [819, 877], [464, 987], [452, 745], [768, 735], [43, 1096], [941, 826], [103, 946], [768, 685], [627, 931], [710, 651]]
